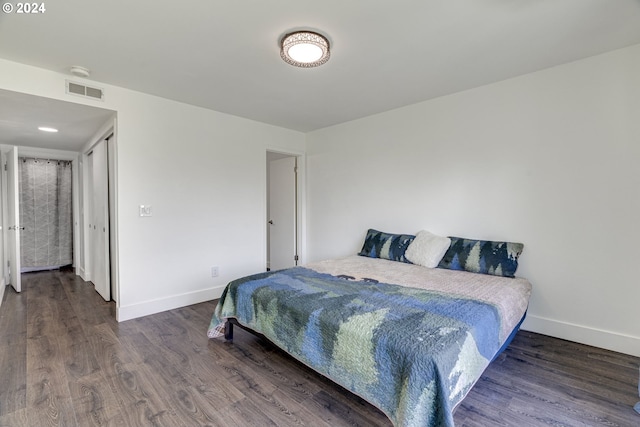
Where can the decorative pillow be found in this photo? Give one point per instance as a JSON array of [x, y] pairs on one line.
[[427, 249], [481, 256], [386, 246]]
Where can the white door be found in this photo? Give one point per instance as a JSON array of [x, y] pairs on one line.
[[88, 216], [99, 220], [13, 219], [282, 213]]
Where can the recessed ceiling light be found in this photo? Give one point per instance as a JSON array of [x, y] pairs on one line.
[[47, 129], [304, 49]]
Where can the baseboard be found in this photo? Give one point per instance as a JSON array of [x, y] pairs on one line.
[[3, 286], [614, 341], [80, 272], [169, 303]]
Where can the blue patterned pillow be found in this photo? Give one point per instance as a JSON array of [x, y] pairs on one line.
[[386, 246], [482, 256]]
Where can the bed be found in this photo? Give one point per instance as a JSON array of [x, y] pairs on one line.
[[410, 340]]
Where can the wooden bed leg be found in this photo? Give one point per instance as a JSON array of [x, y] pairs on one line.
[[228, 331]]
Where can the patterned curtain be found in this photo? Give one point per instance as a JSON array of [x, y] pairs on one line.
[[45, 213]]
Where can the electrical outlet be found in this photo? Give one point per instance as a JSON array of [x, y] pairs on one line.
[[215, 271], [145, 210]]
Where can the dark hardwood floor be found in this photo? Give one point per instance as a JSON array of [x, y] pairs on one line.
[[65, 361]]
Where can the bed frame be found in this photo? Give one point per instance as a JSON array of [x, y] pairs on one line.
[[228, 328]]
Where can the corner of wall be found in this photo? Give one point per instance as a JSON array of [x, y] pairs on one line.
[[3, 286], [163, 304], [80, 272]]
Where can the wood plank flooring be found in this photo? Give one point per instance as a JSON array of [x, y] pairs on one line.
[[65, 361]]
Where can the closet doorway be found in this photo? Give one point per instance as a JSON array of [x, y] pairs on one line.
[[97, 217]]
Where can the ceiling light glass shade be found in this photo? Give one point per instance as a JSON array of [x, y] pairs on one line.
[[304, 49]]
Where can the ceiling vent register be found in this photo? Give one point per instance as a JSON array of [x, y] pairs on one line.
[[79, 89]]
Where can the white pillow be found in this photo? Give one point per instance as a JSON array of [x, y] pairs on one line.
[[427, 249]]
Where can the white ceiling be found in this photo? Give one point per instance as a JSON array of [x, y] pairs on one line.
[[22, 114], [224, 55]]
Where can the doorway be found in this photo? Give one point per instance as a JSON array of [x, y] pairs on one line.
[[79, 126], [282, 211], [98, 217], [26, 245], [46, 213], [90, 215]]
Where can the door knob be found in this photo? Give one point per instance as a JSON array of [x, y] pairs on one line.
[[271, 221]]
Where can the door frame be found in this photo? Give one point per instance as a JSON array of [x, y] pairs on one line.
[[73, 156], [13, 226], [109, 132], [301, 202], [42, 153]]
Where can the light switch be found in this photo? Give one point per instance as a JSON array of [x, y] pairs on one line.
[[145, 210]]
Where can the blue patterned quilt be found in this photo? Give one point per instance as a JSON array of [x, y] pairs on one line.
[[412, 353]]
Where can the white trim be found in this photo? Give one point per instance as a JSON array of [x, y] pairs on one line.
[[3, 287], [3, 196], [114, 256], [169, 303], [47, 153], [80, 272], [583, 334]]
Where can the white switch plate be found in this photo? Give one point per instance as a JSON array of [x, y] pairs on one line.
[[214, 271], [145, 210]]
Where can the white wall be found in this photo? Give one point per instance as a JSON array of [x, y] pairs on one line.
[[549, 159], [203, 172]]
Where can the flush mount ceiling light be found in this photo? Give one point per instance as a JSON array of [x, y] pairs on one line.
[[47, 129], [304, 49]]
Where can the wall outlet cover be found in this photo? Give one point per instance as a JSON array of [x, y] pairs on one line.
[[145, 210]]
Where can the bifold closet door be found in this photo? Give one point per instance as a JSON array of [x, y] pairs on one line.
[[99, 220]]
